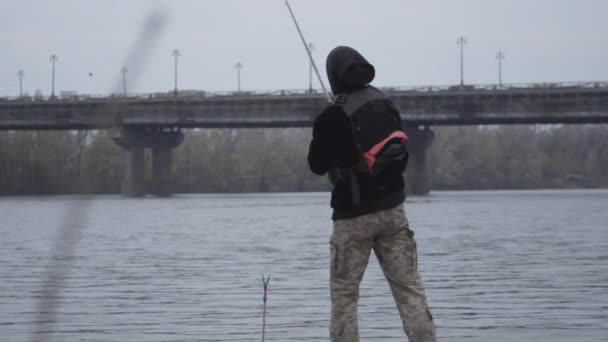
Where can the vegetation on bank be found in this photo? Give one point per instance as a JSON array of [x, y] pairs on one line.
[[231, 160]]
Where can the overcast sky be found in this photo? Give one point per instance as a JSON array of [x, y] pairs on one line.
[[409, 42]]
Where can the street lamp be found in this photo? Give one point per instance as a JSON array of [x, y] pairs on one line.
[[91, 90], [124, 71], [462, 41], [311, 48], [20, 74], [238, 67], [175, 53], [53, 60], [500, 56]]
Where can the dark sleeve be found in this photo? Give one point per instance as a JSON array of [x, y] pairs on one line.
[[319, 156], [332, 141]]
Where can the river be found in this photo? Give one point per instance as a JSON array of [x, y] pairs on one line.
[[497, 266]]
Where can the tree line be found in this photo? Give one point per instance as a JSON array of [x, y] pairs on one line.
[[261, 160]]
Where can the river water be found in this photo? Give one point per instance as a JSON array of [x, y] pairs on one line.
[[498, 266]]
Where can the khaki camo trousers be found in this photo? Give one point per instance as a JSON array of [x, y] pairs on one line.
[[387, 233]]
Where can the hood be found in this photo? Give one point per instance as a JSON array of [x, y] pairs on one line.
[[347, 70]]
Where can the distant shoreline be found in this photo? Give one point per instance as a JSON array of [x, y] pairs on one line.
[[561, 190]]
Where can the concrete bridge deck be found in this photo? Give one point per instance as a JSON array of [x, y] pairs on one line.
[[154, 121], [450, 105]]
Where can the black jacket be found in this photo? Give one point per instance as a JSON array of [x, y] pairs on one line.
[[333, 145]]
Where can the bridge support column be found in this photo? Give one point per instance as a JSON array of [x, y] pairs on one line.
[[134, 183], [162, 163], [417, 171], [135, 140]]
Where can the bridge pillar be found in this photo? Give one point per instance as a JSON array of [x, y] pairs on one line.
[[162, 163], [134, 183], [135, 140], [417, 171]]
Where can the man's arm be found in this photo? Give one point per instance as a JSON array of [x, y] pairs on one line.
[[319, 156], [332, 141]]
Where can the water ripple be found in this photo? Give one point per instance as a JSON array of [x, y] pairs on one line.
[[498, 266]]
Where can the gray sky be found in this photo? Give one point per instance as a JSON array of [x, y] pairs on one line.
[[409, 42]]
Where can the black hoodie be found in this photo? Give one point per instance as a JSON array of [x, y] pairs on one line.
[[333, 144]]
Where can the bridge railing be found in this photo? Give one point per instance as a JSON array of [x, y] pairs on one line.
[[186, 93], [495, 87]]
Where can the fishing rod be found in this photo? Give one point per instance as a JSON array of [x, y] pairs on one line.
[[312, 61]]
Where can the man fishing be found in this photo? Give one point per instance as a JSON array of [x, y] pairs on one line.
[[358, 140]]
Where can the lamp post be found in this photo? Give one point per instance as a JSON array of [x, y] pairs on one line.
[[175, 53], [238, 67], [311, 48], [53, 60], [91, 90], [500, 56], [462, 41], [20, 74], [124, 71]]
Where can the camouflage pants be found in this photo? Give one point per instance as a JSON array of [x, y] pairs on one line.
[[387, 233]]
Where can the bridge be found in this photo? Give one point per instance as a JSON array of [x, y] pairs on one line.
[[155, 120]]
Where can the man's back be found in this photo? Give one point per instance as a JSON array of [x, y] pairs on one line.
[[335, 149]]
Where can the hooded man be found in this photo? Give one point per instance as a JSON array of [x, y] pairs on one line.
[[358, 140]]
